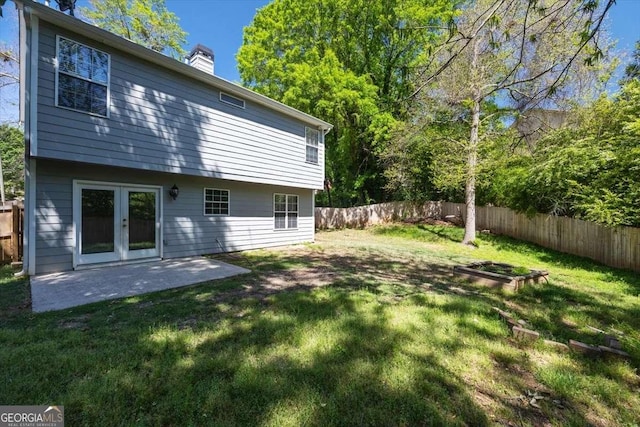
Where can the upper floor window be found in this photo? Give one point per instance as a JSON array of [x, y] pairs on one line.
[[285, 211], [228, 99], [82, 78], [216, 202], [312, 136]]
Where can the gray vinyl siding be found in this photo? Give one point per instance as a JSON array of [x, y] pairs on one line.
[[186, 231], [166, 122]]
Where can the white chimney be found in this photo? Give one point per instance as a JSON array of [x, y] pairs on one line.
[[201, 57]]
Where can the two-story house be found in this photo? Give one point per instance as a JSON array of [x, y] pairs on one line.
[[132, 155]]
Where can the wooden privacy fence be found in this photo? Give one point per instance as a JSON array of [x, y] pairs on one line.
[[364, 216], [612, 246], [11, 226]]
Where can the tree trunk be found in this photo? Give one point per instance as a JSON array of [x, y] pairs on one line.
[[1, 184], [472, 154], [470, 188]]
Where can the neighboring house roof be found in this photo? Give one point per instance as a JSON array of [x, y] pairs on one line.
[[534, 123], [55, 17]]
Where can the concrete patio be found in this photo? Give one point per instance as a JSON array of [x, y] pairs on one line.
[[73, 288]]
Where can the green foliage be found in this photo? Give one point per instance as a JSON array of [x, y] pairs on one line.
[[632, 70], [423, 162], [427, 160], [12, 153], [409, 167], [517, 55], [146, 22], [347, 62], [591, 170]]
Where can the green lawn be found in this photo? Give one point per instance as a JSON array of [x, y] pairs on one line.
[[364, 327]]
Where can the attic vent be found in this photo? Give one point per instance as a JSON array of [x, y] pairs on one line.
[[226, 98]]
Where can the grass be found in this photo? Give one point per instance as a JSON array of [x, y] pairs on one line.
[[364, 327], [503, 269]]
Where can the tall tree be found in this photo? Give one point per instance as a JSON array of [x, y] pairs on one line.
[[9, 69], [348, 62], [9, 75], [516, 53], [146, 22], [12, 158], [632, 70]]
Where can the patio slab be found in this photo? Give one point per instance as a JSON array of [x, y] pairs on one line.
[[58, 291]]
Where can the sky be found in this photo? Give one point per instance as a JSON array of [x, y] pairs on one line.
[[218, 24]]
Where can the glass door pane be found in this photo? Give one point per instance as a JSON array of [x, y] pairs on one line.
[[142, 220], [98, 220], [115, 223]]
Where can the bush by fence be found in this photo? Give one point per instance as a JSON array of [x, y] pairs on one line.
[[616, 247]]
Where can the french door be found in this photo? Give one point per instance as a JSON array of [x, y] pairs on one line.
[[116, 222]]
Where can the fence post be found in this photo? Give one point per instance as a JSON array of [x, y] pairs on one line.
[[15, 233]]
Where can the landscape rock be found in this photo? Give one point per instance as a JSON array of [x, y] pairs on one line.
[[512, 323], [612, 342], [556, 344], [599, 331], [617, 332], [523, 334], [454, 219], [503, 314], [608, 351], [583, 348]]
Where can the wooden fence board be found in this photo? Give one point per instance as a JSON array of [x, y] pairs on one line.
[[11, 226], [5, 249], [613, 246]]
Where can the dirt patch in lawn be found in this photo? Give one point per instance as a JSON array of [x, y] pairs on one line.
[[310, 268], [309, 277], [79, 322]]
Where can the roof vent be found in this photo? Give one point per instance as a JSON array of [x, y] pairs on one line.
[[201, 57]]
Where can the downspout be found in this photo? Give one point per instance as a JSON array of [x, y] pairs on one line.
[[25, 18], [326, 182]]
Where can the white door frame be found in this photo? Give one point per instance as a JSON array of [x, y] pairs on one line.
[[121, 253]]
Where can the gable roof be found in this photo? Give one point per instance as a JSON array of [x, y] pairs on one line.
[[49, 14]]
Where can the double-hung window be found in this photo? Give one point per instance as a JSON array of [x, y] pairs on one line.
[[285, 211], [313, 137], [82, 78], [216, 202]]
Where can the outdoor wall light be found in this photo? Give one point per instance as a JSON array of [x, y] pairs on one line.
[[174, 191]]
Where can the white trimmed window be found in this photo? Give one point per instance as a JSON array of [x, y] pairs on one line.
[[313, 137], [285, 211], [216, 201], [82, 78]]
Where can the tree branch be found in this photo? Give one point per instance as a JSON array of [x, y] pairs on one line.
[[489, 14]]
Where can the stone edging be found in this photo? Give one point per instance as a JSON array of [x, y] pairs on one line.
[[612, 346]]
